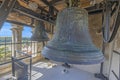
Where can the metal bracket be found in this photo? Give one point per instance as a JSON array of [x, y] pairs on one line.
[[5, 9]]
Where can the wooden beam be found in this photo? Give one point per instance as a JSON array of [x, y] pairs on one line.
[[48, 4], [19, 23], [54, 1], [32, 14]]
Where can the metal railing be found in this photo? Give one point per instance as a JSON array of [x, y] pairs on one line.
[[19, 64], [8, 49]]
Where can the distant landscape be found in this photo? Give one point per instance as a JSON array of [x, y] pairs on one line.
[[9, 39], [5, 48]]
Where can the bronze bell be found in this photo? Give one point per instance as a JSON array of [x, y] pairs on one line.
[[71, 42], [39, 33]]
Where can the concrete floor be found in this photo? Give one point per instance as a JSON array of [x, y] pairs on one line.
[[52, 71]]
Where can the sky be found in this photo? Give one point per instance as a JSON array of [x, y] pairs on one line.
[[5, 30]]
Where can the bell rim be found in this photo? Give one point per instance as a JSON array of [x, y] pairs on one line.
[[48, 53]]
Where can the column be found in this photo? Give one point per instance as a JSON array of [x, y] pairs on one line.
[[16, 38]]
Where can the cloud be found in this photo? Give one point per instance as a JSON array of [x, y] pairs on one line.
[[5, 30], [26, 32]]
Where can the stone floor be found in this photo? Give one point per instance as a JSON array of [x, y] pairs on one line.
[[52, 71]]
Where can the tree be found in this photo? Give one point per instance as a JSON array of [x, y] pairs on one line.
[[4, 53]]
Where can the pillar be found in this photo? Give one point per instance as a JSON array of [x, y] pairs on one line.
[[16, 38]]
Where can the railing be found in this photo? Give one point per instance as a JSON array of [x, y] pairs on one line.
[[19, 64], [7, 49]]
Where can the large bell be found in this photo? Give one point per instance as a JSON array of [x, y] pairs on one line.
[[39, 33], [72, 42]]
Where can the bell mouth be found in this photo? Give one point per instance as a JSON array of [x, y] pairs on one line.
[[83, 58]]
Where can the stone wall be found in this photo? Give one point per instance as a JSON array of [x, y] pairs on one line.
[[95, 26], [111, 59]]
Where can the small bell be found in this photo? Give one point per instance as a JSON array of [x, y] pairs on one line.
[[39, 33], [71, 42]]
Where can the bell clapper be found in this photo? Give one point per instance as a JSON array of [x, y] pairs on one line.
[[66, 67]]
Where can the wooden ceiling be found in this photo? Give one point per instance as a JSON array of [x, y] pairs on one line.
[[39, 6], [58, 4]]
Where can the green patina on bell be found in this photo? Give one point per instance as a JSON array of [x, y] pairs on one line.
[[71, 42], [39, 33]]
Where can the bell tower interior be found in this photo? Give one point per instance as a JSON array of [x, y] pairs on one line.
[[59, 40]]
